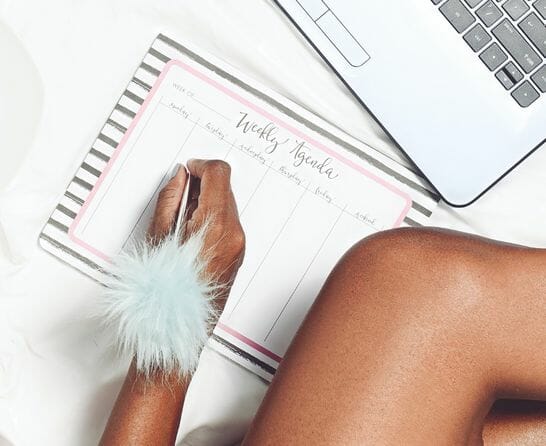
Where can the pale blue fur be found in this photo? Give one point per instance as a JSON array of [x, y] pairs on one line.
[[161, 303]]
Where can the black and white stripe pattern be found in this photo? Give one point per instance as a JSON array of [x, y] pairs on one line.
[[54, 237]]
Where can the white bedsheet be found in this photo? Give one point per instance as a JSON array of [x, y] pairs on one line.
[[58, 374]]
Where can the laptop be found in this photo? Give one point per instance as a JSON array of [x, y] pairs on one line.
[[459, 85]]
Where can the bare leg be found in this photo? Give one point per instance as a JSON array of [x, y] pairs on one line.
[[412, 339], [516, 423]]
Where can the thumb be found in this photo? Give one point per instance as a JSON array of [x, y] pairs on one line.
[[168, 204]]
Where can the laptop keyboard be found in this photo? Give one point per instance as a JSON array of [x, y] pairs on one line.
[[509, 37]]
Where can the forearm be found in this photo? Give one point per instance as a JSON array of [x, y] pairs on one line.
[[147, 410]]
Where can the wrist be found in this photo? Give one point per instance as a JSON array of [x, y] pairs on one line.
[[158, 380]]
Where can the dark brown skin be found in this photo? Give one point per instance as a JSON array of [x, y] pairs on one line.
[[147, 412], [413, 338]]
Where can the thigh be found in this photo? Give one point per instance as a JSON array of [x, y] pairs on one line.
[[413, 337]]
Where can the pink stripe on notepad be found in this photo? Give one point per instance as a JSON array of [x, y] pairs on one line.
[[259, 348], [224, 89]]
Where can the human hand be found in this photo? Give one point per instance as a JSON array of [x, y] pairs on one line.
[[224, 240]]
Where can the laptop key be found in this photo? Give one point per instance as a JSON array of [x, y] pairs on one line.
[[539, 78], [512, 71], [525, 94], [477, 37], [517, 27], [535, 31], [540, 6], [511, 39], [515, 8], [489, 13], [493, 57], [457, 14], [504, 79]]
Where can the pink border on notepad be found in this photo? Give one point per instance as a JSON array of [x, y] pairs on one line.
[[259, 348], [248, 104], [249, 342]]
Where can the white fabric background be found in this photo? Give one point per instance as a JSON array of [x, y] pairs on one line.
[[58, 376]]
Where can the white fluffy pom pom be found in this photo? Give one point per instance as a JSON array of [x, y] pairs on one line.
[[160, 302]]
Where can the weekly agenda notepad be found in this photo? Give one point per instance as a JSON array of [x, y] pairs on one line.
[[305, 191]]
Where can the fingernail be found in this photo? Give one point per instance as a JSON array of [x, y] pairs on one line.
[[175, 170]]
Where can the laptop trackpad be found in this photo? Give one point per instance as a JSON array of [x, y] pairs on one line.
[[335, 31]]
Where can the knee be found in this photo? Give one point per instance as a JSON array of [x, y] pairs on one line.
[[434, 295], [409, 269], [406, 254]]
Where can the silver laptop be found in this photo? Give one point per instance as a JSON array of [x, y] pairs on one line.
[[459, 85]]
